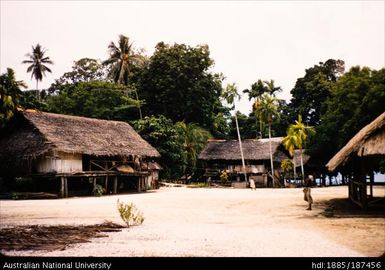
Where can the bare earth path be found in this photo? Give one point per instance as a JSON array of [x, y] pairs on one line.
[[210, 222]]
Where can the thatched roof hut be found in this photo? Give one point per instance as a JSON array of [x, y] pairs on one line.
[[369, 141], [253, 150], [32, 134]]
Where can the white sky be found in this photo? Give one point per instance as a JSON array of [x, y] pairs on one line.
[[248, 40]]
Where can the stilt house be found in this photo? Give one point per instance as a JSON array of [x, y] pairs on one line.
[[71, 152], [220, 156]]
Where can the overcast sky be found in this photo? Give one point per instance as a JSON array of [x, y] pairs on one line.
[[248, 40]]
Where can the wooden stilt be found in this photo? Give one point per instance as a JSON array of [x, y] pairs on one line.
[[62, 187], [371, 184], [106, 184], [115, 186], [65, 187], [94, 184], [139, 184]]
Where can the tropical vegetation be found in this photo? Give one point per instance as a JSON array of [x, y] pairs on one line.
[[176, 102]]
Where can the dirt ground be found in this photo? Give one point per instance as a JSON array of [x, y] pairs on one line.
[[207, 222]]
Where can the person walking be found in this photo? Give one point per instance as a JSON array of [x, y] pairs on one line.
[[307, 191]]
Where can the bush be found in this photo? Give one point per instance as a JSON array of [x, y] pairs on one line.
[[130, 214], [198, 185], [224, 177], [98, 190]]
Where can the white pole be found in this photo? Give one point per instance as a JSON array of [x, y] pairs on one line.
[[240, 146]]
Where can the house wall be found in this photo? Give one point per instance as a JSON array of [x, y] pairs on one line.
[[59, 163], [249, 168]]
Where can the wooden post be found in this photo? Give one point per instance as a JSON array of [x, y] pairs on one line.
[[115, 186], [371, 183], [363, 189], [139, 183], [94, 183], [106, 184], [65, 187], [62, 187]]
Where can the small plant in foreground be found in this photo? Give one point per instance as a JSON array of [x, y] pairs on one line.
[[98, 190], [130, 214]]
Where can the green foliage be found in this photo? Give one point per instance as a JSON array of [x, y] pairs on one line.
[[130, 214], [177, 84], [311, 91], [224, 177], [83, 70], [195, 138], [297, 135], [30, 100], [357, 98], [98, 190], [123, 58], [10, 94], [287, 166], [167, 138], [198, 185], [96, 99], [267, 108], [247, 126]]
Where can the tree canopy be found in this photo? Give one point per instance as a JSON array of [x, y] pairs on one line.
[[177, 84], [357, 98], [10, 94]]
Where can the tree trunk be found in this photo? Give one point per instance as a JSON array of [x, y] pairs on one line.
[[37, 90], [271, 154], [302, 169], [294, 169], [240, 147]]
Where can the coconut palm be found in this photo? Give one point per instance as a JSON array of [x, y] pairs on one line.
[[271, 88], [10, 93], [300, 132], [38, 62], [256, 91], [122, 59], [290, 142], [267, 110], [230, 93]]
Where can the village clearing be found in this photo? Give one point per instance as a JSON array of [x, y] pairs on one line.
[[207, 222]]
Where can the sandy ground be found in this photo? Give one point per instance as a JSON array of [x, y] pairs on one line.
[[209, 222]]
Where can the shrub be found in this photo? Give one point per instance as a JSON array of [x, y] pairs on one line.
[[198, 185], [224, 177], [130, 214], [98, 190]]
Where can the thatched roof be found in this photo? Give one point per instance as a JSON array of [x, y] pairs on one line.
[[252, 150], [367, 142], [33, 133]]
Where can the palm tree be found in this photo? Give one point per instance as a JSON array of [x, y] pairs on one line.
[[257, 89], [38, 62], [290, 142], [300, 132], [195, 138], [230, 93], [271, 88], [10, 94], [268, 110], [122, 60]]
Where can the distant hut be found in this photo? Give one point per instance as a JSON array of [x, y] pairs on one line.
[[69, 150], [367, 144], [224, 156]]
